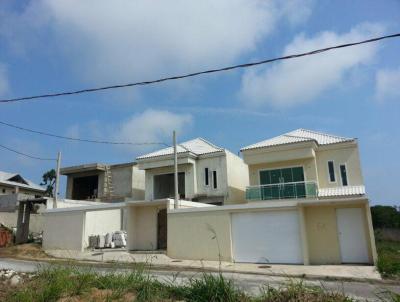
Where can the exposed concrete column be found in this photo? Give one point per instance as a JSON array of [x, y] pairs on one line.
[[303, 233], [371, 233]]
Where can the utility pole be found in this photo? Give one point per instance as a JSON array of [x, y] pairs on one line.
[[175, 171], [57, 180]]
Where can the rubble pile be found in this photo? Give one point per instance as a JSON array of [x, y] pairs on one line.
[[14, 278]]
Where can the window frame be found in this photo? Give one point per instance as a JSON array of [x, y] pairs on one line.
[[347, 174], [334, 172], [214, 179], [280, 168], [206, 177]]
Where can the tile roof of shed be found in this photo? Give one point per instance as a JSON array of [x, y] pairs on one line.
[[6, 176], [197, 146], [297, 136]]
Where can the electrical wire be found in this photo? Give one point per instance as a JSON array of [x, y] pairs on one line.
[[24, 154], [81, 139], [246, 65]]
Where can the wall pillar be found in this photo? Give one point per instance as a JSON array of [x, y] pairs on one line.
[[303, 233], [371, 236]]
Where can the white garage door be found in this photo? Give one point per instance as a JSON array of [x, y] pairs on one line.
[[266, 237]]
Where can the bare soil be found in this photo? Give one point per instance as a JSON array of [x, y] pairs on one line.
[[31, 251]]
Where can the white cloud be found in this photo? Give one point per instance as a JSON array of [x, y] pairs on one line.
[[153, 126], [124, 40], [4, 86], [387, 84], [296, 11], [302, 80]]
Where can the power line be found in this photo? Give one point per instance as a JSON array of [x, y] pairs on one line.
[[246, 65], [81, 139], [24, 154]]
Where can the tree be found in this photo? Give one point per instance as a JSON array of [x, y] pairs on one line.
[[385, 216], [49, 180]]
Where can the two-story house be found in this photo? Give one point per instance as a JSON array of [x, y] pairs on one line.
[[206, 173], [322, 174], [101, 182]]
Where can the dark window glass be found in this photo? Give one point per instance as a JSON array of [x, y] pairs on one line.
[[343, 174], [298, 174], [206, 179], [214, 179], [265, 177], [331, 171]]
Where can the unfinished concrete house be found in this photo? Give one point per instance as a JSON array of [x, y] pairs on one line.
[[105, 183], [206, 173]]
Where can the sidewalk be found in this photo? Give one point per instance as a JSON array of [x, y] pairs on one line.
[[160, 260]]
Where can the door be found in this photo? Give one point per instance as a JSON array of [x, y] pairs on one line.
[[266, 237], [352, 235], [162, 229]]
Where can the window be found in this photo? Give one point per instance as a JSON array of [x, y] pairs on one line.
[[343, 174], [215, 184], [283, 183], [331, 170], [206, 177], [4, 190]]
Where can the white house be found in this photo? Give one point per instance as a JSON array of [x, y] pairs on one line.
[[207, 173]]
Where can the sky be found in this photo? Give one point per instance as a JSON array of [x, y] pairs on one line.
[[57, 45]]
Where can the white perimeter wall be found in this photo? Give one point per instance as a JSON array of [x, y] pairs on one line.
[[63, 230], [70, 229], [101, 223]]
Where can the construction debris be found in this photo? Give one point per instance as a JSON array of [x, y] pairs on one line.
[[110, 240]]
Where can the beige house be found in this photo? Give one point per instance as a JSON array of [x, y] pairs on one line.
[[206, 173], [101, 182], [306, 204]]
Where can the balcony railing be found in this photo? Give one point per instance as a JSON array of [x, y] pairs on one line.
[[302, 189]]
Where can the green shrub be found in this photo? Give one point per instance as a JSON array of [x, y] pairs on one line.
[[388, 258]]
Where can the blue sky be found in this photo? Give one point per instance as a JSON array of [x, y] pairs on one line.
[[60, 45]]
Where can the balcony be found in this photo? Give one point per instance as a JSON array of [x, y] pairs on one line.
[[290, 190]]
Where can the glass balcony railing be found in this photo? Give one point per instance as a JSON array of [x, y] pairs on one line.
[[303, 189]]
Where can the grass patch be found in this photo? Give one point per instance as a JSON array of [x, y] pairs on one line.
[[61, 284], [388, 258], [297, 291]]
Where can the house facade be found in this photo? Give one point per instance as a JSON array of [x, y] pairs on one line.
[[14, 183], [306, 204], [105, 183], [206, 173], [303, 164]]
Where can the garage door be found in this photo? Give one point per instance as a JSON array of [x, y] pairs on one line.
[[266, 237]]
